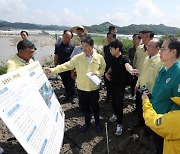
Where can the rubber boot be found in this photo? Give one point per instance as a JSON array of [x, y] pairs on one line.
[[97, 123], [87, 123]]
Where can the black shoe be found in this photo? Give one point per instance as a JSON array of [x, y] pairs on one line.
[[72, 100], [139, 125], [99, 128], [65, 99], [84, 128]]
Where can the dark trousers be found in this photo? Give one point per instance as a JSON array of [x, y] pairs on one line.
[[88, 101], [159, 141], [139, 107], [133, 80], [117, 93], [108, 87], [68, 83]]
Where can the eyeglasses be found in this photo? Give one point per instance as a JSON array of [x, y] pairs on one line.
[[163, 49], [150, 46], [30, 51], [86, 46]]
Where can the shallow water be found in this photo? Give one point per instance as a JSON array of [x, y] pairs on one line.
[[43, 52], [8, 49]]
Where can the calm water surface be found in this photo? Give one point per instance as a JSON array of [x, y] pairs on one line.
[[8, 49]]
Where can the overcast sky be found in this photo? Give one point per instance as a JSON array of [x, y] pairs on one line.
[[83, 12]]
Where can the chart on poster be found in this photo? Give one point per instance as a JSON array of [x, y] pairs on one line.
[[31, 111]]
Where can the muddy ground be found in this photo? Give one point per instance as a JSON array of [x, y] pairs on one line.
[[132, 141]]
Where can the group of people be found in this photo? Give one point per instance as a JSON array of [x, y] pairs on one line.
[[159, 77], [150, 66], [90, 61]]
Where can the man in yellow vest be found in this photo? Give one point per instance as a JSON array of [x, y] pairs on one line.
[[150, 69], [141, 53], [88, 91], [26, 50]]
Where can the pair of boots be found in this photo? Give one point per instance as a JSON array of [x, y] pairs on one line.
[[88, 122]]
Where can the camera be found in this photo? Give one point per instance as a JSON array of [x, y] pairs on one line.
[[144, 89]]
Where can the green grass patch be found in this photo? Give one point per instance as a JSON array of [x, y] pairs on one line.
[[98, 40], [3, 70], [126, 45]]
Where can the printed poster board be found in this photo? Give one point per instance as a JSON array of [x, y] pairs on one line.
[[31, 111]]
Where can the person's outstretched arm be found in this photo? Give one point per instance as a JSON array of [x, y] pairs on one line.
[[60, 68]]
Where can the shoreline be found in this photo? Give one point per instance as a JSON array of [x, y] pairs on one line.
[[44, 44]]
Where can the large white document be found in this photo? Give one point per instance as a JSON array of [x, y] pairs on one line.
[[94, 78], [31, 111]]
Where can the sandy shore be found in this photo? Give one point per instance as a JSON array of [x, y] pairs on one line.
[[44, 44]]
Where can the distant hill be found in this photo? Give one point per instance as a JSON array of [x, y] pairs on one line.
[[158, 29], [101, 28], [131, 29], [4, 25]]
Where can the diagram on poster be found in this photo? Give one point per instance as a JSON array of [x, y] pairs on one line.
[[30, 109]]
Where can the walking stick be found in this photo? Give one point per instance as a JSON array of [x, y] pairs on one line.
[[107, 139]]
